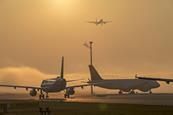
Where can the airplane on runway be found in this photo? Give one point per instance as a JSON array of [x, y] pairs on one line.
[[156, 79], [99, 22], [123, 85], [52, 85]]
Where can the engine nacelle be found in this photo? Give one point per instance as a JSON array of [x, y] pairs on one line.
[[70, 91], [167, 82], [33, 92], [126, 90]]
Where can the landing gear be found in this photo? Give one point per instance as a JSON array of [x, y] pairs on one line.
[[68, 92], [120, 92], [132, 92], [47, 96], [66, 96], [150, 92], [41, 96]]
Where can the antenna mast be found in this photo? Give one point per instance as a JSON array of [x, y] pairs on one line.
[[62, 68], [91, 55]]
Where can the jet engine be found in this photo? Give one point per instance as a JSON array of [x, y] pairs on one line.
[[70, 91], [167, 82], [33, 92]]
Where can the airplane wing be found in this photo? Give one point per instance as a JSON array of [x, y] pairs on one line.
[[92, 22], [87, 84], [74, 80], [107, 22], [19, 86], [78, 86], [156, 79]]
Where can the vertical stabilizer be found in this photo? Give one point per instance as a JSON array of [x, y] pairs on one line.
[[94, 74], [62, 68]]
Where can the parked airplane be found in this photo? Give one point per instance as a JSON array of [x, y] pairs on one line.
[[123, 85], [156, 79], [99, 22], [53, 85]]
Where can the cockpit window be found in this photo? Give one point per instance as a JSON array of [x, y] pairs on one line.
[[48, 81]]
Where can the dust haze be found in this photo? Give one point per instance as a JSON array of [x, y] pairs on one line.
[[35, 34]]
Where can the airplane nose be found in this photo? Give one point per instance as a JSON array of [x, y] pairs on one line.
[[157, 84]]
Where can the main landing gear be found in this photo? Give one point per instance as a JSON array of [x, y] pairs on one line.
[[66, 95], [42, 96], [47, 96], [132, 92], [150, 92], [120, 92]]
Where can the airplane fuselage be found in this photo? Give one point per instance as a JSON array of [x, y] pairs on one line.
[[99, 22], [53, 85], [127, 85]]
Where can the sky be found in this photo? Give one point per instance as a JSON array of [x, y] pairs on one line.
[[35, 34]]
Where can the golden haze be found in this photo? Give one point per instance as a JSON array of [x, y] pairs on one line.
[[35, 34]]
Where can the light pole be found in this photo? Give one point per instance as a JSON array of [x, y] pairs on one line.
[[91, 53], [91, 60]]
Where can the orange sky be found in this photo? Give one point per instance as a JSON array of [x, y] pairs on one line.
[[36, 33]]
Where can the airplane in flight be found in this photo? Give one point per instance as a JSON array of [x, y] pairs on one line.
[[123, 85], [52, 85], [99, 22], [156, 79]]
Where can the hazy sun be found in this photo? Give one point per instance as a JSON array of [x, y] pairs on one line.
[[64, 5]]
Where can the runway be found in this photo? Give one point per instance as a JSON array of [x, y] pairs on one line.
[[143, 104], [142, 99]]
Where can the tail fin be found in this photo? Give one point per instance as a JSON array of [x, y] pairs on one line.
[[62, 68], [94, 74]]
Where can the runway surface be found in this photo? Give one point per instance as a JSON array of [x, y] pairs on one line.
[[143, 99]]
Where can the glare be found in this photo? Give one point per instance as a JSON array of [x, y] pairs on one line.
[[64, 6]]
